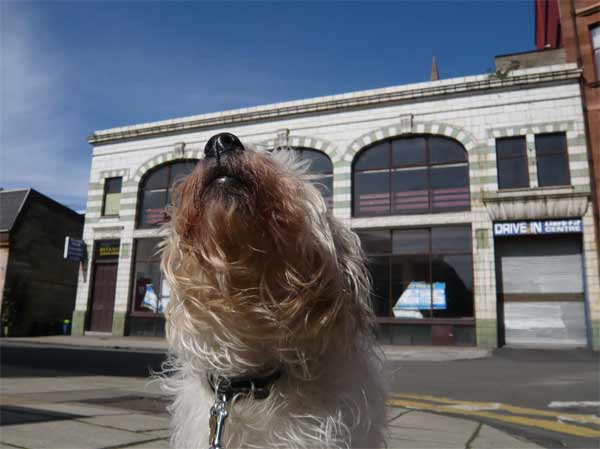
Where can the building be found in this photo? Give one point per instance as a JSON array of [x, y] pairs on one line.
[[37, 286], [471, 195], [574, 27]]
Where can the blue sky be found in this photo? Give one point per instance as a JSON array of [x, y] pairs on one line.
[[71, 68]]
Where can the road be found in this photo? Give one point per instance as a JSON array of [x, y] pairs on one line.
[[538, 395]]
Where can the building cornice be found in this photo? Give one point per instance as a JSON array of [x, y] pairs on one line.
[[537, 192], [369, 98], [537, 204]]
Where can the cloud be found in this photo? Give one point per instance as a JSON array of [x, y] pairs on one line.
[[36, 125]]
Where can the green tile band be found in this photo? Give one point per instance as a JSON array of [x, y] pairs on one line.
[[118, 324], [487, 333], [78, 323]]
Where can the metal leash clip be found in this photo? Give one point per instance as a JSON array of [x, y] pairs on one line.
[[216, 423]]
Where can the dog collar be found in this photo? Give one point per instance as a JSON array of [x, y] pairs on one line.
[[226, 388], [257, 386]]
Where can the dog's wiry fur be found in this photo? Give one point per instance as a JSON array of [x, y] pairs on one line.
[[263, 277]]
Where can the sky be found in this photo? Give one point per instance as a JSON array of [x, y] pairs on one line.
[[71, 68]]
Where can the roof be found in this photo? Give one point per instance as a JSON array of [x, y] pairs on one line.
[[368, 98], [11, 203]]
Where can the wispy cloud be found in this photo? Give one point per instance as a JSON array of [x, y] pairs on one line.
[[36, 125]]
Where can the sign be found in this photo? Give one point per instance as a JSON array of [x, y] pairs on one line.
[[418, 297], [107, 249], [151, 299], [74, 249], [539, 227]]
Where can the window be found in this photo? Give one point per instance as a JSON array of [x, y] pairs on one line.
[[420, 273], [112, 196], [411, 175], [596, 48], [511, 159], [552, 159], [150, 291], [320, 171], [156, 189]]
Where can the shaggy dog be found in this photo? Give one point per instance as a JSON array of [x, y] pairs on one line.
[[269, 293]]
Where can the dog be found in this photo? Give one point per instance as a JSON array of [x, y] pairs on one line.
[[269, 327]]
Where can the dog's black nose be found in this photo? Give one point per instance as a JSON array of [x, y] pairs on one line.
[[222, 144]]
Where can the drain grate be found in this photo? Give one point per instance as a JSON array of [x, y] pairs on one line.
[[148, 404]]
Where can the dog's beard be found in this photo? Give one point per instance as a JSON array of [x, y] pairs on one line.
[[261, 273]]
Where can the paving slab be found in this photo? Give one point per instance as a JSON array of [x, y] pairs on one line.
[[67, 435], [69, 396], [395, 412], [132, 422], [16, 399], [4, 446], [158, 444], [431, 428], [136, 403], [150, 386], [166, 433], [429, 437], [399, 443], [60, 384], [490, 438], [76, 409]]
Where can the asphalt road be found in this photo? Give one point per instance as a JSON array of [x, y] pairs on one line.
[[527, 381], [18, 360], [511, 390]]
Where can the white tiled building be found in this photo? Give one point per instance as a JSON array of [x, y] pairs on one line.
[[439, 178]]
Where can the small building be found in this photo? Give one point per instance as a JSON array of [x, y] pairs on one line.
[[471, 196], [37, 286]]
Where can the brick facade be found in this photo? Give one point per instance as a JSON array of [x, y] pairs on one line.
[[577, 17]]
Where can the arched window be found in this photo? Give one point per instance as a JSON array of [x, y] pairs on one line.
[[320, 171], [411, 175], [155, 191]]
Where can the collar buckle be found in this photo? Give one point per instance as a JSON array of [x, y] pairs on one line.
[[216, 423], [226, 388]]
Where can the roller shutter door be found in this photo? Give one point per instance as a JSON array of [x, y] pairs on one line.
[[541, 291]]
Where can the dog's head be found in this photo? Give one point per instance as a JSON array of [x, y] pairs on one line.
[[261, 273]]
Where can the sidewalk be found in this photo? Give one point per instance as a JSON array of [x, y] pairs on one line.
[[99, 412], [154, 344], [94, 412]]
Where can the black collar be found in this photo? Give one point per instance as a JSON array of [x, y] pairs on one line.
[[258, 386]]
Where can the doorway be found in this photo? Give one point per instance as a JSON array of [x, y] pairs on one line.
[[104, 287], [540, 291]]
